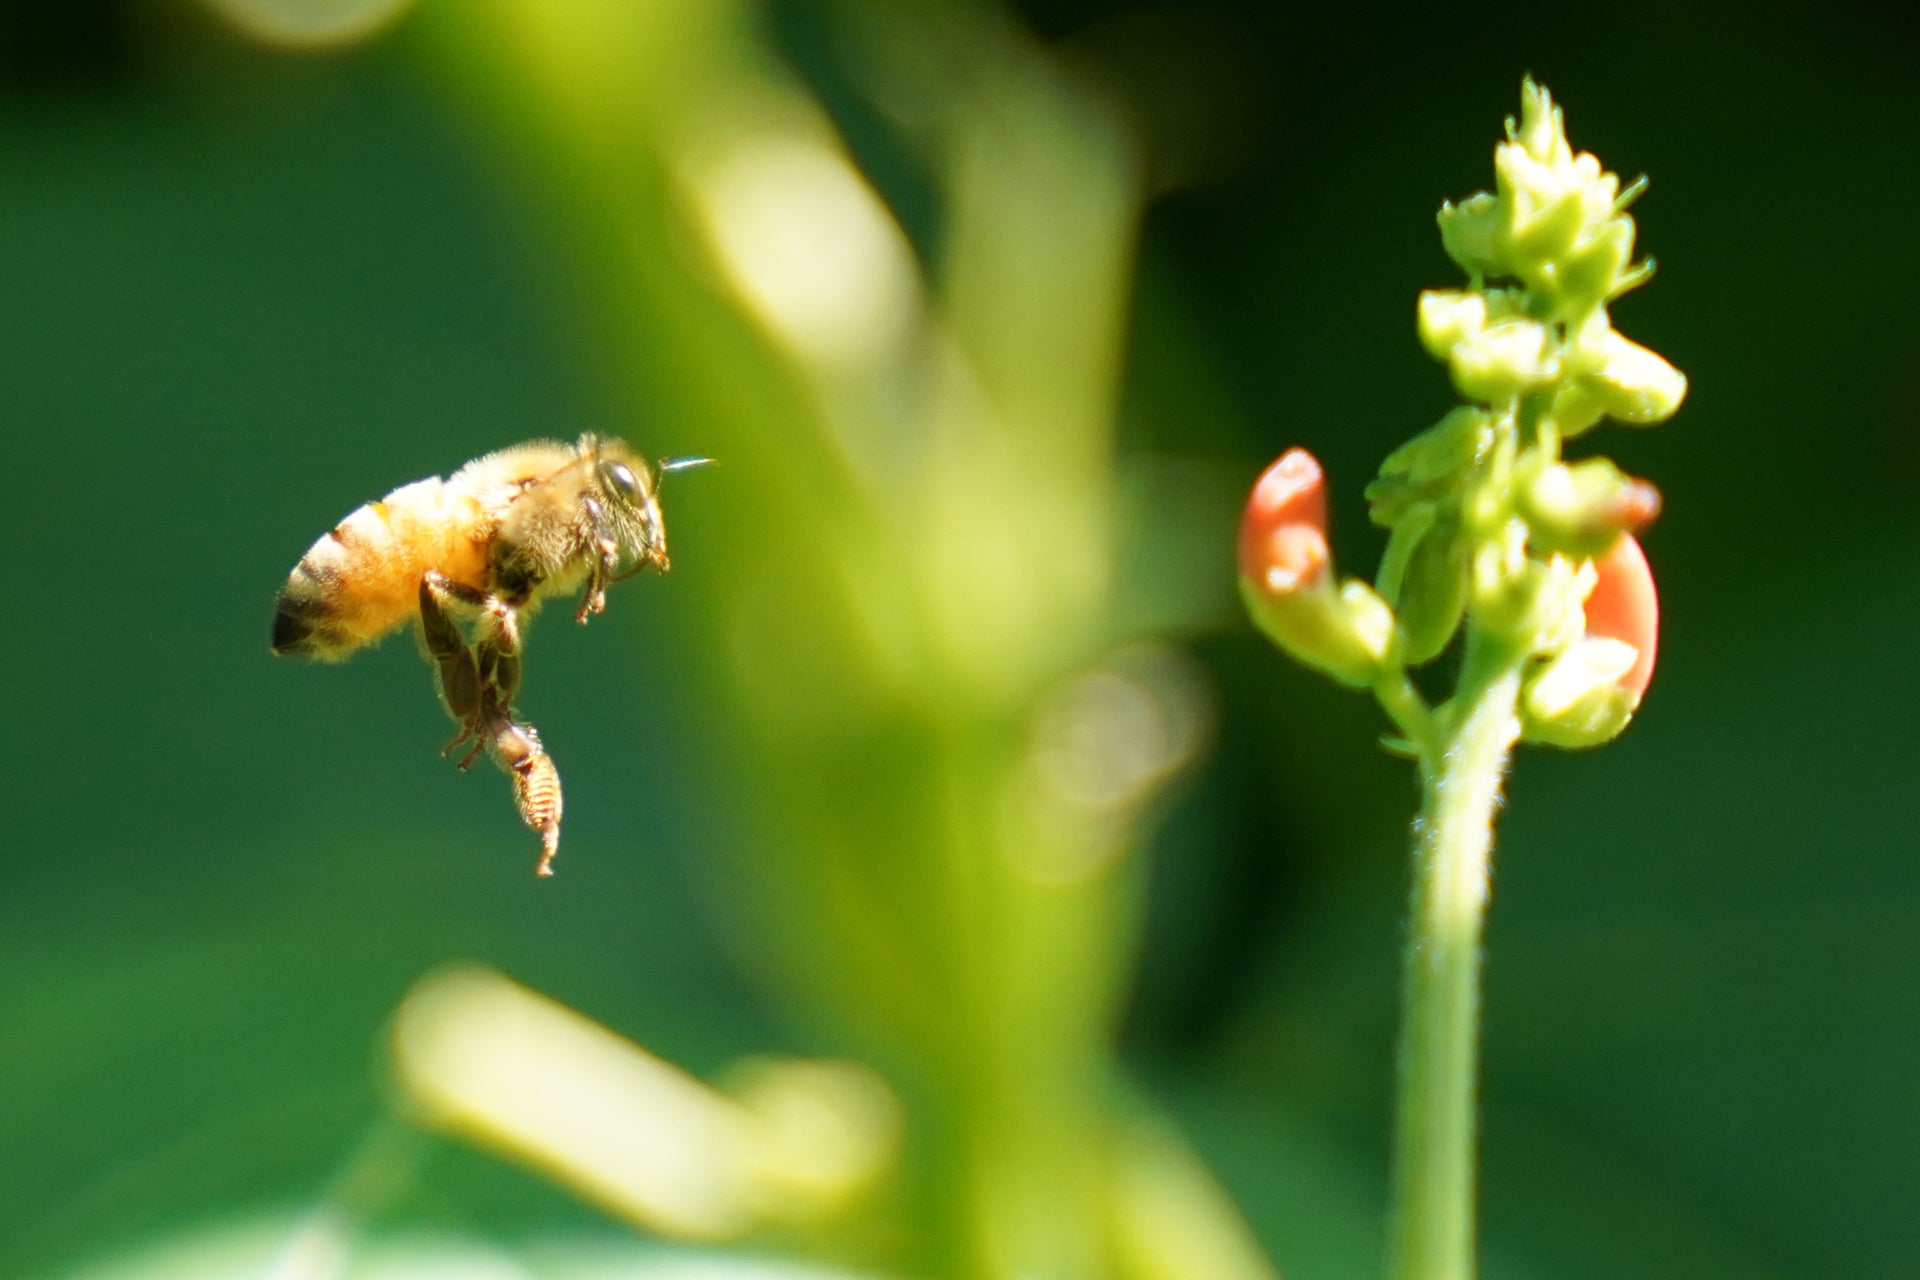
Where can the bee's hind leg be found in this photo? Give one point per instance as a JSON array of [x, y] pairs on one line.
[[536, 785], [478, 684]]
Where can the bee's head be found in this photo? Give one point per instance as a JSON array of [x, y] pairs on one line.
[[628, 500], [630, 496]]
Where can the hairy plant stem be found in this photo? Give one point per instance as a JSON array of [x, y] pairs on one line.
[[1434, 1126]]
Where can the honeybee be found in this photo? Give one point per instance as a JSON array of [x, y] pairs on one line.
[[486, 546]]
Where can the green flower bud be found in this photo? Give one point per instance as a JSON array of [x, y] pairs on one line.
[[1542, 131], [1549, 192], [1574, 409], [1545, 204], [1537, 603], [1447, 316], [1582, 509], [1342, 631], [1432, 592], [1458, 441], [1586, 276], [1576, 699], [1470, 231], [1392, 502], [1629, 382], [1600, 190], [1504, 360], [1427, 467]]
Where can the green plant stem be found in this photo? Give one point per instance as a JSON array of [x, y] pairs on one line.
[[1434, 1129]]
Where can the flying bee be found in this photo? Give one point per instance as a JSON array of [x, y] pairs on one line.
[[487, 545]]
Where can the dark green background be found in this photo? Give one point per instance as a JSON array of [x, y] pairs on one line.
[[240, 294]]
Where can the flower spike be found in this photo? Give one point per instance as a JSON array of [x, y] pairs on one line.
[[1520, 562]]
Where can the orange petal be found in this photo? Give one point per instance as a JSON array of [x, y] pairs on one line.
[[1624, 606], [1285, 523]]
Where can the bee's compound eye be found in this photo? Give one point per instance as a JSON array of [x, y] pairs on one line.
[[621, 480]]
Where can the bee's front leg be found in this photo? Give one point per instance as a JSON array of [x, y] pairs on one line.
[[606, 562]]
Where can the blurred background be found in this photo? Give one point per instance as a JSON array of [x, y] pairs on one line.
[[943, 749]]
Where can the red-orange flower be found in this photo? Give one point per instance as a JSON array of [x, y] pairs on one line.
[[1283, 533], [1623, 606], [1287, 581]]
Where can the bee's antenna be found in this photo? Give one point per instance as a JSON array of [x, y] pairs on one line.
[[669, 465]]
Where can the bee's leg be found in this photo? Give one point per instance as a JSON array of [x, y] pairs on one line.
[[604, 567], [456, 671], [444, 589], [497, 651], [536, 789], [595, 599], [516, 746], [477, 684], [536, 784], [473, 752]]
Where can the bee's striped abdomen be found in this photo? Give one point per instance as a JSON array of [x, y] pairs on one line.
[[361, 579], [301, 619]]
